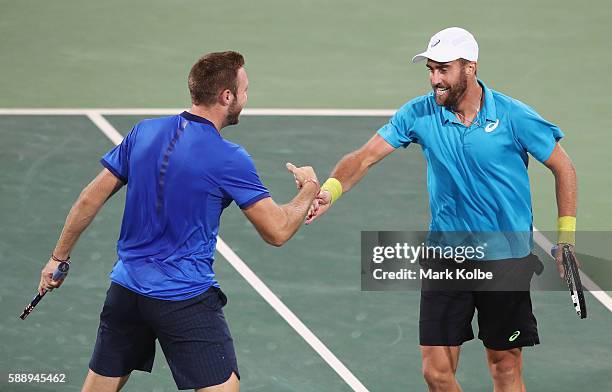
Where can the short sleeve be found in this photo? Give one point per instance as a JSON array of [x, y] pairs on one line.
[[397, 132], [117, 160], [240, 180], [535, 135]]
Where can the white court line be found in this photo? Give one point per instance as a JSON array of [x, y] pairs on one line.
[[542, 241], [587, 282], [259, 286], [289, 316], [163, 112], [105, 127]]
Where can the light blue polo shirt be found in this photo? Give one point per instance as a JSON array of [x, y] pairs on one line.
[[477, 176]]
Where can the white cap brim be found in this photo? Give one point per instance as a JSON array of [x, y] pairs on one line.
[[439, 54], [442, 54]]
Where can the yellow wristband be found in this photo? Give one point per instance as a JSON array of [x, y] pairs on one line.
[[334, 187], [566, 227]]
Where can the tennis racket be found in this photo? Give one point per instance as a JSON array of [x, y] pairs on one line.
[[572, 277], [60, 273]]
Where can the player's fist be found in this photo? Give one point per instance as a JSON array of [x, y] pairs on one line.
[[46, 277], [302, 174]]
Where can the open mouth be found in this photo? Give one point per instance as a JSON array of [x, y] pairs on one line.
[[440, 91]]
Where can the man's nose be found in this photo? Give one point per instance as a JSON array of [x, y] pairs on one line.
[[435, 78]]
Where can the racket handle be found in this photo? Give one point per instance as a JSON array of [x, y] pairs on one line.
[[60, 273], [28, 309]]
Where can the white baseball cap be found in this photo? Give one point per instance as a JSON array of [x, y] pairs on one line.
[[450, 44]]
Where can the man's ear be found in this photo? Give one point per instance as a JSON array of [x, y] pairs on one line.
[[225, 97], [470, 69]]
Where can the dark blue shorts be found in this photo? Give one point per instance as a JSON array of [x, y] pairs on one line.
[[193, 334]]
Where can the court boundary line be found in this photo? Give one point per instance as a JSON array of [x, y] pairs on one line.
[[98, 114], [105, 127], [257, 284]]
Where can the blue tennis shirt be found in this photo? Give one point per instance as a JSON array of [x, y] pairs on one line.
[[477, 175], [180, 175]]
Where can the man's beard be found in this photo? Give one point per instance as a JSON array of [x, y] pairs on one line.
[[451, 98], [233, 112]]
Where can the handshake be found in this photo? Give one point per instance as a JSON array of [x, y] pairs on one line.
[[323, 198]]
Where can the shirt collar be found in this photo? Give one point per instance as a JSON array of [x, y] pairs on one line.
[[448, 115], [488, 108], [192, 117]]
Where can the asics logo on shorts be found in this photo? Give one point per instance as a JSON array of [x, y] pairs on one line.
[[513, 337]]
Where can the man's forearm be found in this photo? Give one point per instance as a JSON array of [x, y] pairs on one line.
[[295, 211], [565, 186], [81, 214], [350, 170], [566, 191], [562, 168]]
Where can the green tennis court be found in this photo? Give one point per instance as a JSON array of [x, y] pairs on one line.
[[47, 159], [299, 54]]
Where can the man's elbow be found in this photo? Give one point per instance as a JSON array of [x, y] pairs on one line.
[[277, 243], [277, 237], [272, 224], [276, 240], [88, 199]]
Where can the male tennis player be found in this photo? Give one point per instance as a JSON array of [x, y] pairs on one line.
[[180, 174], [475, 141]]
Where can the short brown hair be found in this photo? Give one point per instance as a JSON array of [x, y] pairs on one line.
[[213, 73]]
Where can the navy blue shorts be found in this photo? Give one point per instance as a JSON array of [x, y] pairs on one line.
[[193, 334]]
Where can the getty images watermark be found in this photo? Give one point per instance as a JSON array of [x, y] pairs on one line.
[[412, 254], [482, 261]]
